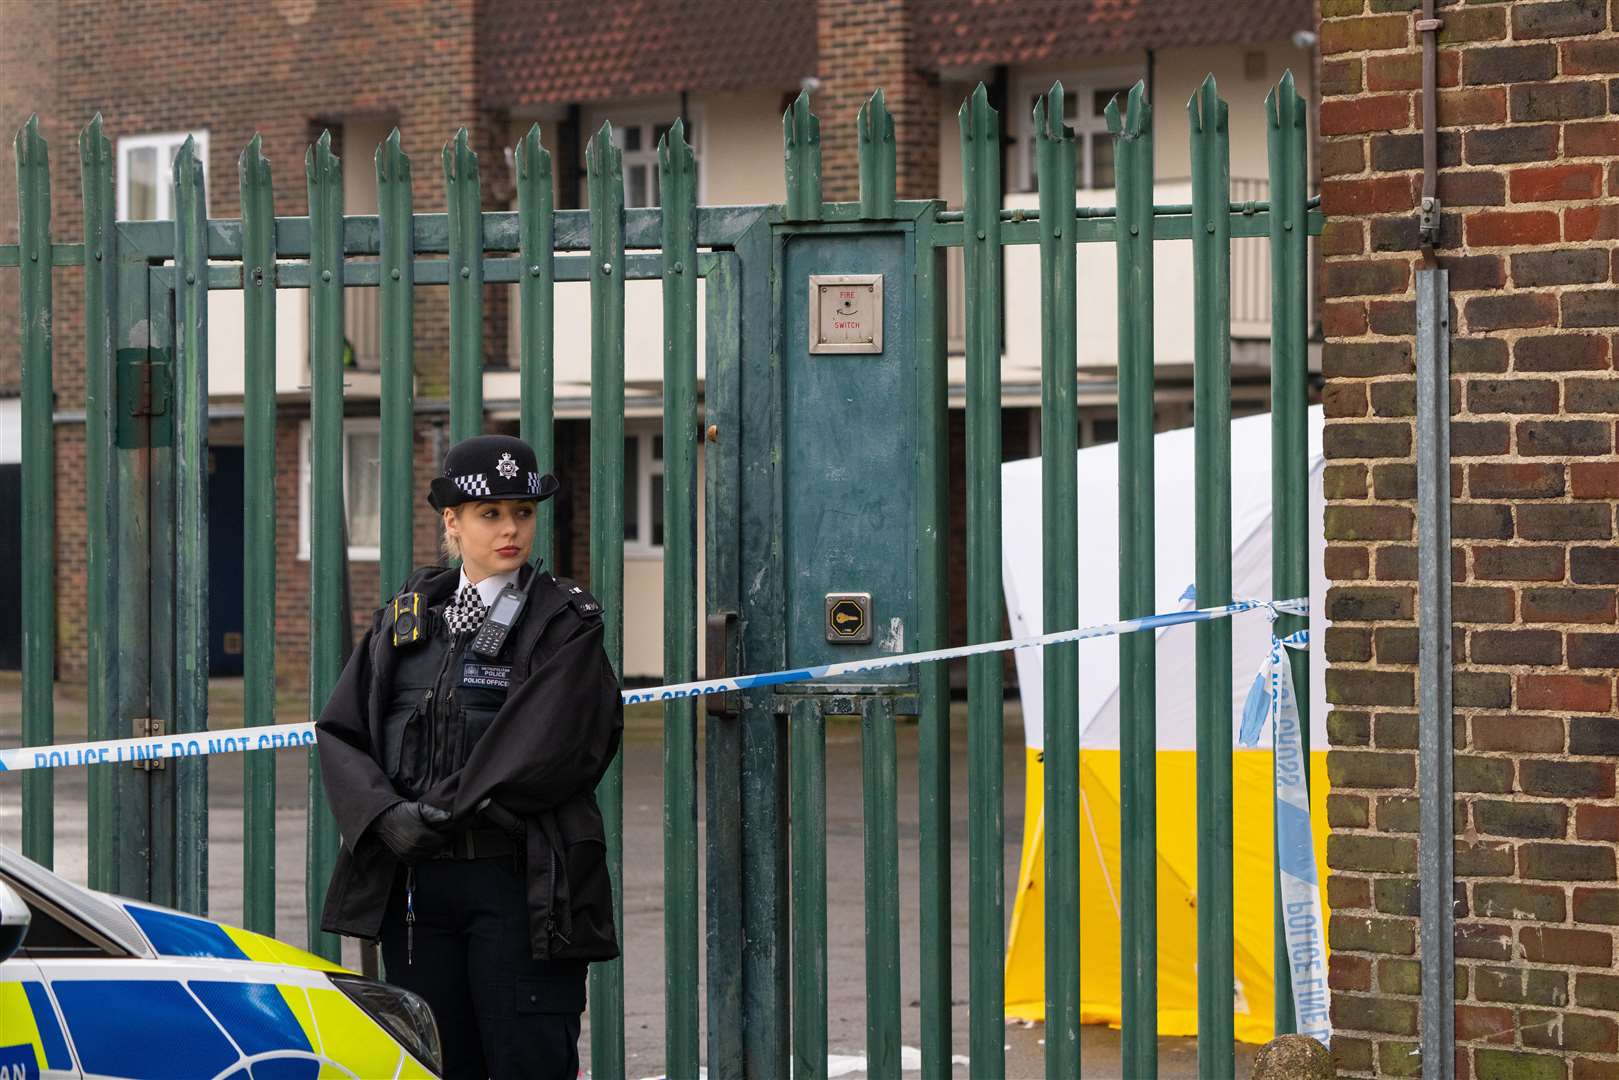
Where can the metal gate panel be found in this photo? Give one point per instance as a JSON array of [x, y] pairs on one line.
[[764, 427]]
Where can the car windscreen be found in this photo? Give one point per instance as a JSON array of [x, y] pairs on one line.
[[56, 934], [101, 916]]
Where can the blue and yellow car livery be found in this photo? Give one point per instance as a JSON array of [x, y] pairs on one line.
[[107, 987]]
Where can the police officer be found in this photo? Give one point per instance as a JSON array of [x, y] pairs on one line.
[[460, 752]]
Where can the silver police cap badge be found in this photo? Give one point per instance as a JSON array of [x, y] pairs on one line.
[[506, 467]]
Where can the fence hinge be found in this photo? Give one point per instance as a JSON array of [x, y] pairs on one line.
[[151, 389], [148, 727], [144, 390]]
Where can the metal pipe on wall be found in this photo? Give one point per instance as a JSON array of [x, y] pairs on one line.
[[1436, 833], [1428, 220]]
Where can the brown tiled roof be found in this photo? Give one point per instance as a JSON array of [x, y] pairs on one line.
[[559, 51], [967, 33]]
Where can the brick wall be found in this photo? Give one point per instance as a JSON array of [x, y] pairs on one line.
[[1530, 187], [27, 56], [180, 65], [886, 57]]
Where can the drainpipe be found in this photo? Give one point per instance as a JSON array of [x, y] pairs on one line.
[[1436, 830], [1428, 219]]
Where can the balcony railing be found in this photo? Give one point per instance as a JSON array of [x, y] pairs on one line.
[[1250, 274], [1250, 268]]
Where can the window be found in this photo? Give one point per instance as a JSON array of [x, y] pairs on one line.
[[1098, 428], [146, 172], [643, 492], [362, 488], [53, 934], [639, 142], [1084, 110]]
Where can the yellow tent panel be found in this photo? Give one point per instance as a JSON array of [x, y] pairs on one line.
[[1098, 841]]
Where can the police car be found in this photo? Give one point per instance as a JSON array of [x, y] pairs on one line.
[[94, 985]]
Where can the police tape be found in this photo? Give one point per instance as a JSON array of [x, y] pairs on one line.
[[1272, 698], [292, 736]]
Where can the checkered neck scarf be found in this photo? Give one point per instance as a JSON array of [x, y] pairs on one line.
[[464, 614]]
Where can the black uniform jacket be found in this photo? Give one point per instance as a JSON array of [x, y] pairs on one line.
[[540, 760]]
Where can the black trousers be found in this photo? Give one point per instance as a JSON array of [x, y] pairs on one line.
[[500, 1012]]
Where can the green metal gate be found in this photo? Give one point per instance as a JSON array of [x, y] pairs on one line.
[[146, 406]]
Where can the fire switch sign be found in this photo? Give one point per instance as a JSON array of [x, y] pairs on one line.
[[846, 313]]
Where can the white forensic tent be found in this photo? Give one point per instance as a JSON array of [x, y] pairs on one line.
[[1097, 510]]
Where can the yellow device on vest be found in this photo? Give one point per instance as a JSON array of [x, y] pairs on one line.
[[407, 627]]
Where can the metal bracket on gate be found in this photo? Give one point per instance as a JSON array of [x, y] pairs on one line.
[[143, 398], [148, 727], [722, 627]]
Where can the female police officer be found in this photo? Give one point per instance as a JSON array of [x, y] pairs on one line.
[[460, 752]]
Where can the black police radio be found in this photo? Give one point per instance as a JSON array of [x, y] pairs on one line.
[[502, 616]]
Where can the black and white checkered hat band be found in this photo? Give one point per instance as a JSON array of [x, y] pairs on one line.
[[524, 482], [473, 483]]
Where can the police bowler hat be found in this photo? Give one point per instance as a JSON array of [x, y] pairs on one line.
[[488, 467]]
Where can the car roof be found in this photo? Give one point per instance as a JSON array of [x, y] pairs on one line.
[[101, 912]]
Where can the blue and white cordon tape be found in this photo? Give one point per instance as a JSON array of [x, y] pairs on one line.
[[1271, 697], [290, 736]]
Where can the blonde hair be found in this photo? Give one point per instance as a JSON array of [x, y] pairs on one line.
[[447, 543]]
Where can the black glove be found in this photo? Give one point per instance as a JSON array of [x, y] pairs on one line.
[[412, 830]]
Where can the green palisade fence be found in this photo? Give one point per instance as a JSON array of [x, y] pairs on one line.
[[100, 398], [1059, 442], [1211, 382], [466, 287], [328, 635], [1290, 550], [34, 257], [537, 319], [981, 180], [397, 282], [677, 169], [1138, 671], [146, 404], [191, 524], [258, 532], [605, 168]]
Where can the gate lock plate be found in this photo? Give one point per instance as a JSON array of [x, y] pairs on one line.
[[848, 618]]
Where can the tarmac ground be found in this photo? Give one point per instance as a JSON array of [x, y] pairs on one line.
[[643, 890]]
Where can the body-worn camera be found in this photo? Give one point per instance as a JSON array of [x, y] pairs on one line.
[[407, 619]]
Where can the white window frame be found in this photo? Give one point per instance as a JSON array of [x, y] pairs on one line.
[[648, 471], [649, 120], [167, 144], [1080, 87], [367, 425]]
